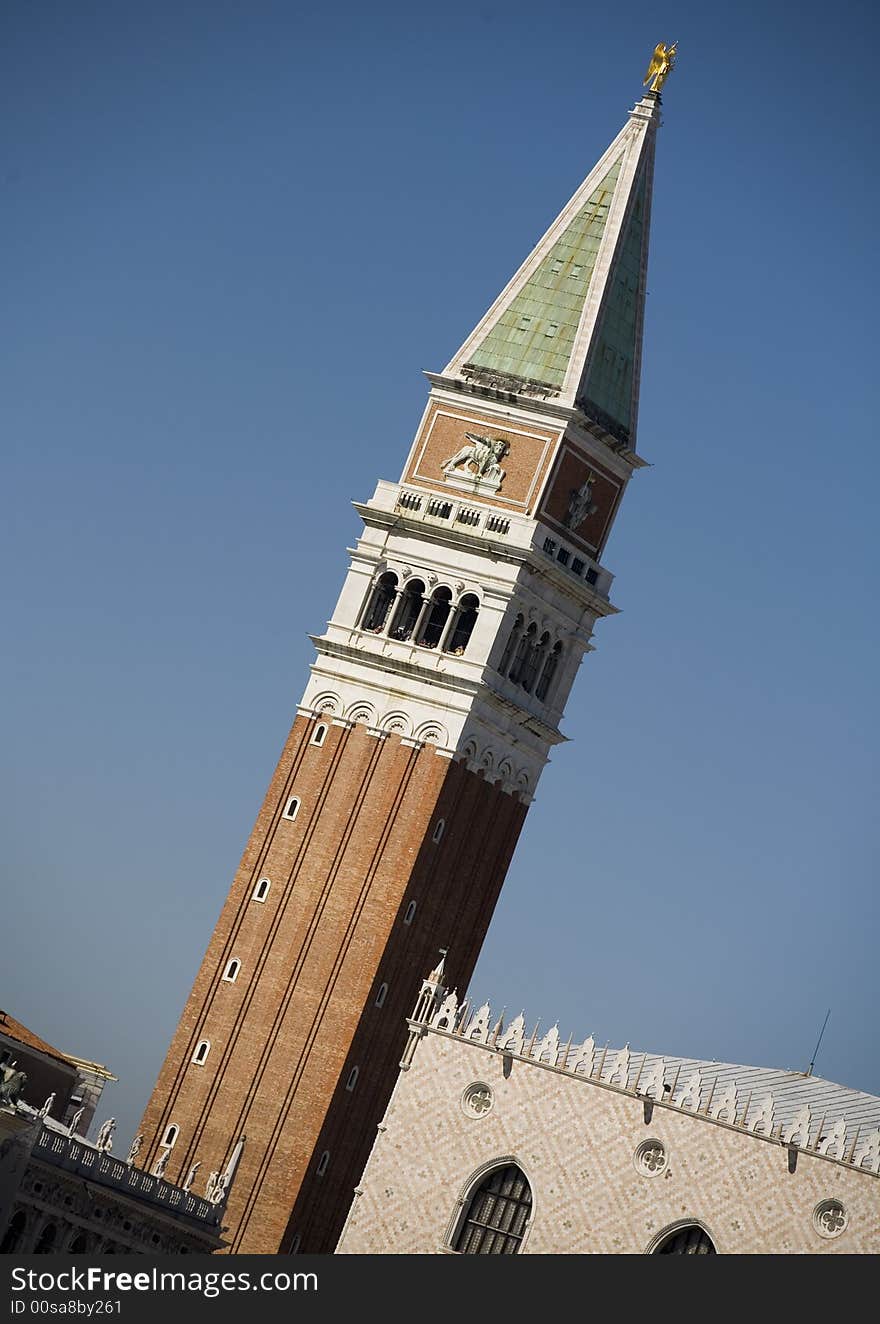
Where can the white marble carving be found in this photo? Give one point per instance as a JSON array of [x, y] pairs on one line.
[[548, 1049], [834, 1144], [656, 1080], [446, 1013], [798, 1130], [478, 1026], [619, 1073], [724, 1107], [690, 1094], [867, 1154], [513, 1037], [582, 1062], [763, 1123]]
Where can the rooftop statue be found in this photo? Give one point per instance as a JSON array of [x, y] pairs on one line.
[[662, 62], [12, 1085]]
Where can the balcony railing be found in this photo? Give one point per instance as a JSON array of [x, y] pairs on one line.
[[69, 1153]]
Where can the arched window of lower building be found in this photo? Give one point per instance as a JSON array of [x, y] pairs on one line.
[[434, 623], [466, 619], [408, 610], [46, 1243], [496, 1214], [689, 1240], [379, 603], [79, 1245], [14, 1233]]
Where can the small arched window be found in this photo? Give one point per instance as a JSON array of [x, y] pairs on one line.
[[323, 1162], [295, 1244], [203, 1048], [408, 610], [230, 974], [319, 734], [352, 1079], [434, 622], [410, 913], [496, 1215], [381, 995], [551, 666], [461, 632], [170, 1136], [689, 1240], [292, 808], [261, 891], [79, 1245], [439, 829], [379, 602]]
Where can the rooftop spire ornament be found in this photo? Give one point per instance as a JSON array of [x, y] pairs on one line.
[[661, 66]]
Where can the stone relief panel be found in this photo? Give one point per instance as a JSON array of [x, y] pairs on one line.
[[479, 455], [581, 500]]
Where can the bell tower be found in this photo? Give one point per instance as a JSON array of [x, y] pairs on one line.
[[431, 708]]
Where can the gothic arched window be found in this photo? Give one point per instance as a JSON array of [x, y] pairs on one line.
[[379, 603], [432, 629], [46, 1243], [689, 1240], [408, 609], [496, 1214], [465, 621]]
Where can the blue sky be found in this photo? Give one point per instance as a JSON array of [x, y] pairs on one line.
[[234, 235]]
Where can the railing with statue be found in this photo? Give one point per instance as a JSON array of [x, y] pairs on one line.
[[74, 1155]]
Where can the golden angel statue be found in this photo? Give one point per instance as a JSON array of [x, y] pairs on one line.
[[662, 62]]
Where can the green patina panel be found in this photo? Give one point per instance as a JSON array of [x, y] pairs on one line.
[[609, 382], [534, 336]]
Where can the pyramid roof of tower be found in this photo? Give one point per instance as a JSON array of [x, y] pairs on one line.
[[568, 326]]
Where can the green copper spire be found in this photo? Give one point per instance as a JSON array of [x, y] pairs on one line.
[[606, 393], [534, 336], [568, 327]]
